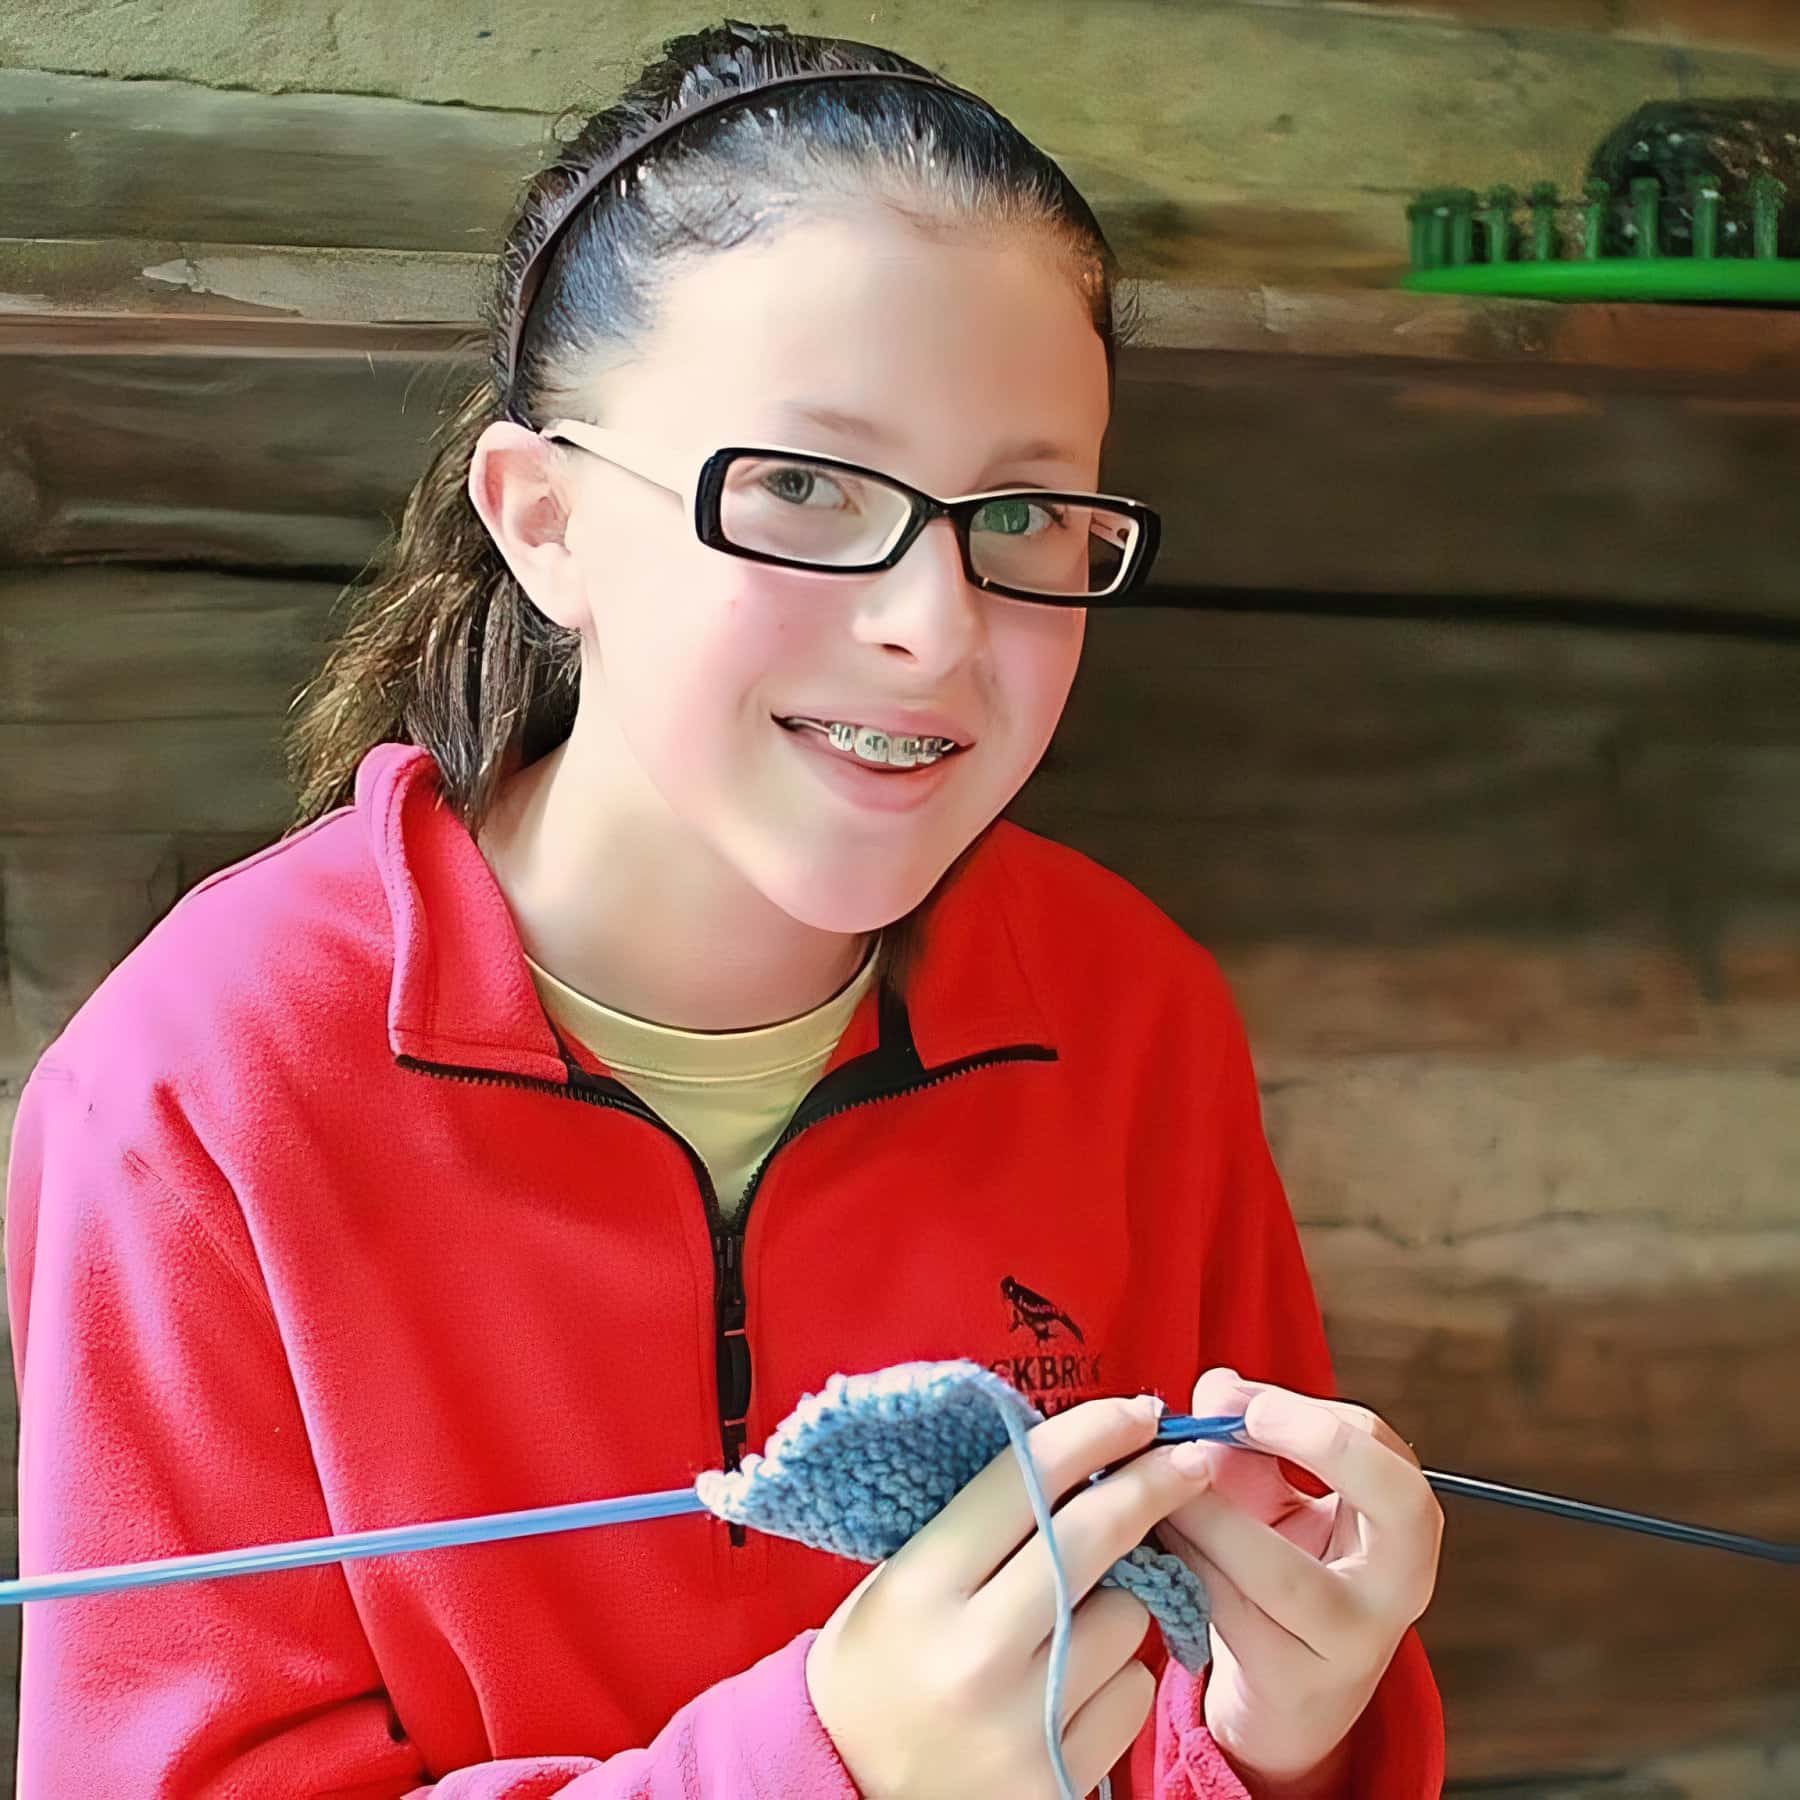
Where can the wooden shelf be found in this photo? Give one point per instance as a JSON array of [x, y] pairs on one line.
[[227, 293], [1701, 345], [143, 295]]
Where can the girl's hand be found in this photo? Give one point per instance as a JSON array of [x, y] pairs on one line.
[[1311, 1597], [930, 1677]]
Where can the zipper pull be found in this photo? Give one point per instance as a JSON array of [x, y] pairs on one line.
[[731, 1299], [732, 1345], [728, 1257]]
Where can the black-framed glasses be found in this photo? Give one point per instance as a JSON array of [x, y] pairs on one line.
[[801, 510]]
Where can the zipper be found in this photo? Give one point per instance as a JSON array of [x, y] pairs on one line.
[[733, 1344], [731, 1351], [731, 1339], [803, 1121], [730, 1343]]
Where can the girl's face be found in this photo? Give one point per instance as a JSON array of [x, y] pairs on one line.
[[953, 363]]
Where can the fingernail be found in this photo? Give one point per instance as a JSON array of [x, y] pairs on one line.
[[1291, 1420], [1150, 1406]]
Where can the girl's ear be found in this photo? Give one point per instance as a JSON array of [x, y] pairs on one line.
[[515, 486]]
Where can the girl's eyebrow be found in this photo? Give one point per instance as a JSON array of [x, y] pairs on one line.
[[831, 418], [850, 424]]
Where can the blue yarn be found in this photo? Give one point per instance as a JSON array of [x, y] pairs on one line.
[[1057, 1676], [861, 1467]]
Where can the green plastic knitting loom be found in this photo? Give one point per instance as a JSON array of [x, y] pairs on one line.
[[1681, 204]]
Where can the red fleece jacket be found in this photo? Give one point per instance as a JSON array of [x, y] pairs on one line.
[[315, 1225]]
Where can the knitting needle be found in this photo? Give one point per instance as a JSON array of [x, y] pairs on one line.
[[351, 1546], [1177, 1428], [1585, 1511], [303, 1553]]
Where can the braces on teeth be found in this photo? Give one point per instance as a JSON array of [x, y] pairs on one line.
[[873, 746]]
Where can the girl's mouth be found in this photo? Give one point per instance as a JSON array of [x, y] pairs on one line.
[[882, 749]]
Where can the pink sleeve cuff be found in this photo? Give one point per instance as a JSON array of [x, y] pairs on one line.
[[753, 1737], [1398, 1743], [756, 1735], [1189, 1765], [767, 1712]]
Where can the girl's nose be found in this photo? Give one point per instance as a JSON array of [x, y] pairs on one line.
[[923, 608]]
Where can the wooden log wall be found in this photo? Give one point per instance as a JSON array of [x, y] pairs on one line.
[[1470, 738]]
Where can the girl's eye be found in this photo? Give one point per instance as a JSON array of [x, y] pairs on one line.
[[1019, 518], [799, 486]]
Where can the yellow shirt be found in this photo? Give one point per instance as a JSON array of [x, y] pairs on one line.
[[729, 1093]]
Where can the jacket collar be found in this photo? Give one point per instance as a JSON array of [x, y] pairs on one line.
[[461, 995]]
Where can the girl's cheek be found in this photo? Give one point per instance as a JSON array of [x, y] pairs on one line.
[[1036, 671]]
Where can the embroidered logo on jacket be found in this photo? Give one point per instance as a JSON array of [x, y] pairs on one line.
[[1051, 1382], [1032, 1312]]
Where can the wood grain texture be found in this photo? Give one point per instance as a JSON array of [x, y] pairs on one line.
[[293, 456], [1518, 344], [1603, 995], [1560, 1646], [92, 296], [272, 444], [1769, 27], [1257, 137], [1391, 783], [1306, 99], [1437, 1151], [217, 776], [175, 160], [98, 642], [1275, 475], [96, 278], [74, 906]]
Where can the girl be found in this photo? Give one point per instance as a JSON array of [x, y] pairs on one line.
[[651, 1020]]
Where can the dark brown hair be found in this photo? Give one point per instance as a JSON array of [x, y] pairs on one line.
[[442, 647]]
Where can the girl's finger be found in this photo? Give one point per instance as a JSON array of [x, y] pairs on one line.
[[1339, 1444], [1348, 1410], [1108, 1725], [1255, 1639], [984, 1524], [1296, 1590], [1256, 1481], [1253, 1478], [1220, 1391], [1096, 1527], [1109, 1630]]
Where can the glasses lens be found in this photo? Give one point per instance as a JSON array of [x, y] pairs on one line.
[[1047, 546], [809, 512]]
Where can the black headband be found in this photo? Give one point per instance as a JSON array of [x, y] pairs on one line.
[[532, 277]]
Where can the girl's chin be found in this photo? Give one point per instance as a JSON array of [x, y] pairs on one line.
[[852, 908]]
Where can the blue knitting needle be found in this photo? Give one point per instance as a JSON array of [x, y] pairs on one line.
[[1176, 1428], [354, 1546], [539, 1521]]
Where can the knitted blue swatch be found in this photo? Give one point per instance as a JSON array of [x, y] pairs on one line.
[[862, 1466]]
